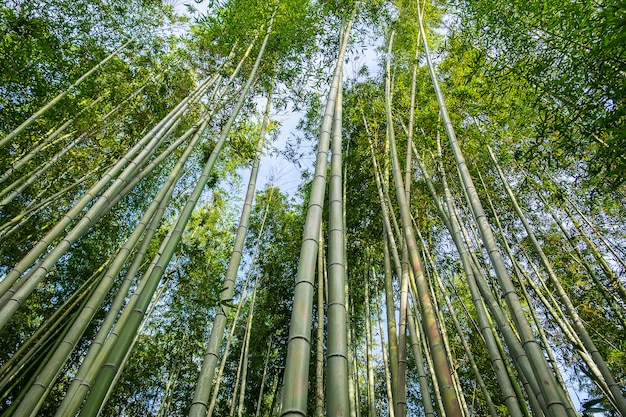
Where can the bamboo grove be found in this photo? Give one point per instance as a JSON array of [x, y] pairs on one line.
[[456, 246]]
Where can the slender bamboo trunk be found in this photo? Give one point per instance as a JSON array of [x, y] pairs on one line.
[[550, 390], [390, 402], [429, 364], [32, 348], [598, 233], [416, 348], [507, 387], [371, 394], [13, 297], [352, 396], [298, 348], [611, 298], [51, 140], [244, 370], [151, 218], [443, 374], [319, 349], [617, 285], [355, 400], [259, 402], [205, 378], [12, 225], [468, 352], [242, 355], [389, 245], [337, 395], [618, 397], [113, 350], [233, 327]]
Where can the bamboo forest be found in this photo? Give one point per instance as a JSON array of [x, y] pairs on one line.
[[317, 208]]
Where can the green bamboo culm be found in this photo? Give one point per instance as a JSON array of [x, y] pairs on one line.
[[442, 368], [337, 394], [204, 384], [295, 392], [615, 391], [115, 351], [553, 395]]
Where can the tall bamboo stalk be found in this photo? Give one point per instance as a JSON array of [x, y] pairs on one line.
[[618, 397], [381, 332], [371, 393], [337, 397], [246, 350], [443, 374], [319, 348], [550, 390], [113, 350], [205, 378], [298, 348]]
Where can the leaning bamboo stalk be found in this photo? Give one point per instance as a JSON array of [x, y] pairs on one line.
[[598, 233], [114, 351], [390, 249], [615, 389], [52, 139], [205, 378], [10, 298], [229, 340], [468, 352], [38, 341], [25, 286], [242, 355], [149, 221], [518, 354], [34, 176], [550, 390], [10, 227], [612, 299], [617, 285]]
